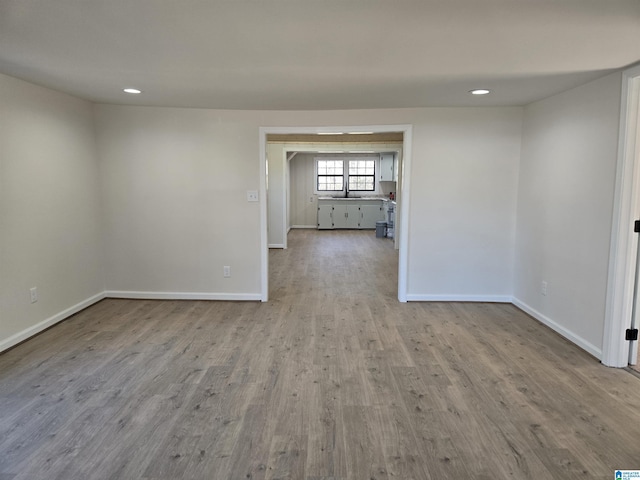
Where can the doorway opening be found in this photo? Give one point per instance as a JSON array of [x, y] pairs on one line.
[[622, 296], [281, 146]]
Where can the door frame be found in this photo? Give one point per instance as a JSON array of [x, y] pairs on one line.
[[624, 242], [404, 198]]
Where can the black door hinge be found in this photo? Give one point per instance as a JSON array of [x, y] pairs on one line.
[[631, 334], [636, 226]]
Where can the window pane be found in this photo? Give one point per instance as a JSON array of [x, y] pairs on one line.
[[362, 175], [328, 183], [362, 167], [330, 175], [330, 167], [361, 182]]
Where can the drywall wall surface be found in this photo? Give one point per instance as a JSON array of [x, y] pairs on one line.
[[50, 234], [175, 184], [277, 194], [463, 202], [565, 203]]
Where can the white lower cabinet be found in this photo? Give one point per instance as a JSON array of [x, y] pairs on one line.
[[346, 215], [352, 214], [370, 213], [325, 216]]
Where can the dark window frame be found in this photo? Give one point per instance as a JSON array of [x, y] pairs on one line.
[[329, 175], [362, 176]]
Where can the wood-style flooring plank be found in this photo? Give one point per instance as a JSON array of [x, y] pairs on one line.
[[331, 379]]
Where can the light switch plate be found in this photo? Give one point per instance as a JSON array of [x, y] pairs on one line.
[[252, 195]]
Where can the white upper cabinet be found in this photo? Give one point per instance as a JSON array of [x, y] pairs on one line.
[[387, 167]]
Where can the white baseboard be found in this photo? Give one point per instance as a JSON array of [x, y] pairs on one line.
[[315, 227], [182, 295], [275, 245], [459, 298], [39, 327], [572, 337]]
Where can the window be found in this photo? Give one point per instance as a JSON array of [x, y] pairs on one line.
[[362, 175], [359, 175], [330, 176]]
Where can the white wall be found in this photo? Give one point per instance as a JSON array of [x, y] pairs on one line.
[[565, 203], [463, 204], [175, 183], [277, 213], [50, 220]]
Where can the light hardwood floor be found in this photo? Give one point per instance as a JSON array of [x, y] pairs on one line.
[[331, 379]]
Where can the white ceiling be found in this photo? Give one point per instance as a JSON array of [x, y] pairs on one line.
[[316, 54]]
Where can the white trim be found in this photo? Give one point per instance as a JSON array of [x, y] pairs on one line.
[[622, 253], [579, 341], [277, 245], [39, 327], [285, 201], [264, 241], [182, 295], [459, 298], [315, 227], [402, 205], [403, 199]]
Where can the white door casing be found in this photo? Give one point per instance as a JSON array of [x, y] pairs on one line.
[[624, 242], [403, 197]]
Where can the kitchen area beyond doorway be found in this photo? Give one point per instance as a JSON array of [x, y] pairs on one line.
[[280, 146], [335, 181], [346, 191]]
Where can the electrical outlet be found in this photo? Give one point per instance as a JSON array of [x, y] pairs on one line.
[[543, 288], [34, 294], [226, 271], [252, 195]]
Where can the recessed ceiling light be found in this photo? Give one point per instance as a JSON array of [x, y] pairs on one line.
[[132, 90], [479, 91]]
